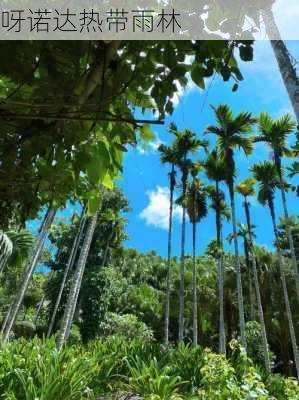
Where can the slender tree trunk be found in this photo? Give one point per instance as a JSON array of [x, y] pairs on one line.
[[238, 268], [69, 266], [77, 303], [251, 294], [37, 250], [222, 339], [289, 234], [284, 61], [194, 285], [182, 268], [168, 278], [257, 291], [40, 306], [6, 248], [284, 288], [76, 283]]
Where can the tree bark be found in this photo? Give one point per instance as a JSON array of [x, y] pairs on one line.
[[238, 268], [40, 306], [222, 338], [251, 294], [6, 248], [194, 284], [257, 291], [285, 290], [69, 266], [182, 267], [286, 68], [76, 283], [289, 235], [168, 278], [37, 250]]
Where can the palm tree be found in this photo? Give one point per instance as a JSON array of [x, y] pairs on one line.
[[22, 242], [5, 249], [293, 169], [168, 155], [284, 60], [185, 143], [246, 189], [268, 179], [215, 170], [36, 253], [69, 266], [72, 299], [244, 234], [232, 132], [196, 204], [275, 133]]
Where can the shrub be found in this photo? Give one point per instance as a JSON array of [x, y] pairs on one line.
[[75, 335], [25, 329], [127, 325], [152, 381], [36, 370]]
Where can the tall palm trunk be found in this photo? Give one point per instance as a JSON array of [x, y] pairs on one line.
[[6, 248], [40, 306], [222, 339], [251, 294], [168, 278], [194, 282], [286, 68], [69, 266], [182, 265], [37, 250], [257, 291], [238, 267], [76, 283], [284, 288], [287, 224], [69, 325]]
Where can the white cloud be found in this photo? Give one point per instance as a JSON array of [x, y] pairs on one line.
[[156, 213]]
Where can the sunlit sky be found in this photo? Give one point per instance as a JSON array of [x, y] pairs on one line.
[[145, 180]]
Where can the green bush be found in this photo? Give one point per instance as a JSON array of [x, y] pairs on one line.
[[75, 335], [127, 325], [25, 329], [34, 369]]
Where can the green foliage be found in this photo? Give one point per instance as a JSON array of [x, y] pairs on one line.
[[153, 381], [22, 242], [62, 146], [254, 342], [34, 369], [126, 325]]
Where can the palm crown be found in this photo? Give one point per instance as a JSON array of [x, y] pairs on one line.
[[266, 175], [232, 132], [196, 201], [218, 203], [246, 187], [275, 133], [215, 167]]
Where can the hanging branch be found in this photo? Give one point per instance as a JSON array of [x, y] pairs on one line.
[[132, 121]]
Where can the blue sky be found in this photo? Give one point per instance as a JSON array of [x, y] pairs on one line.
[[145, 180]]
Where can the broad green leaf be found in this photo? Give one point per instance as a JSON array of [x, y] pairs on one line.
[[146, 133], [197, 74]]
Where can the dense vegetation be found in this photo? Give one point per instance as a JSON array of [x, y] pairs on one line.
[[104, 319], [34, 369]]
